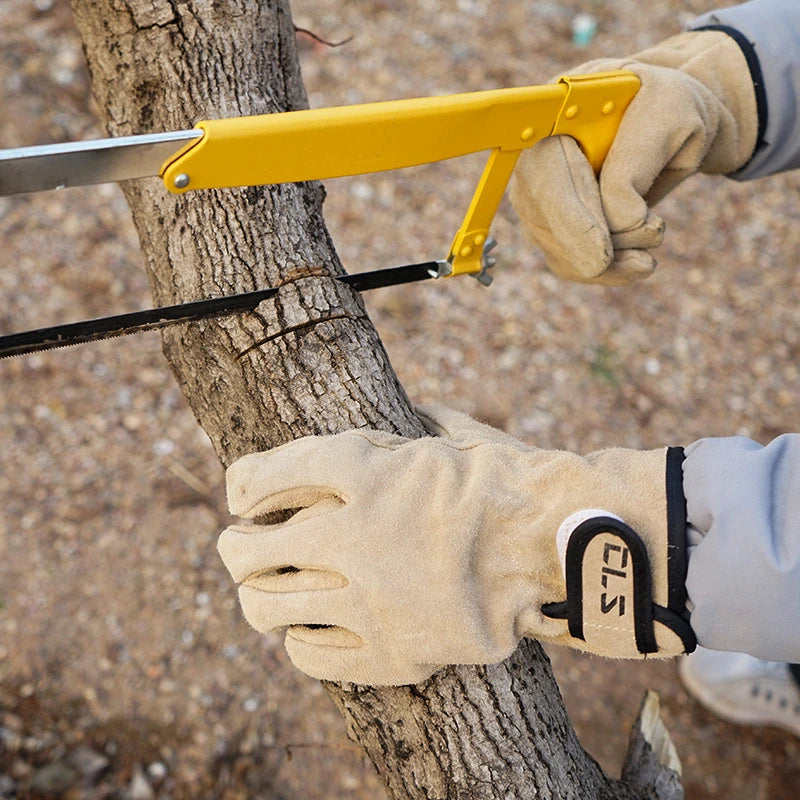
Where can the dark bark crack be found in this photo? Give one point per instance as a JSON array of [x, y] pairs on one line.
[[294, 328]]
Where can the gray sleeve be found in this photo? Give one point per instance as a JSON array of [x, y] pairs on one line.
[[743, 580], [771, 31]]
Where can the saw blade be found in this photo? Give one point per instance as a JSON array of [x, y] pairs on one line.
[[92, 330]]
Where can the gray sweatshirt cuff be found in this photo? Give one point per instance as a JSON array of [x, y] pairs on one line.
[[743, 512], [769, 33]]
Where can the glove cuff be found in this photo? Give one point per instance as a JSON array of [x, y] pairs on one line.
[[714, 58], [609, 573], [756, 77]]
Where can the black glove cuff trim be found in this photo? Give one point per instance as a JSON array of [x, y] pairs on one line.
[[646, 612], [677, 557]]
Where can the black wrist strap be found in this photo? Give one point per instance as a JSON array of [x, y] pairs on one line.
[[625, 573]]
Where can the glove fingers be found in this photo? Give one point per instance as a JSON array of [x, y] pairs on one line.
[[628, 267], [572, 234], [273, 552], [303, 472], [632, 261], [327, 637], [638, 159], [557, 198], [311, 652], [268, 611], [649, 235]]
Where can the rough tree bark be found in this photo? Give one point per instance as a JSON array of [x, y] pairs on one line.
[[307, 362]]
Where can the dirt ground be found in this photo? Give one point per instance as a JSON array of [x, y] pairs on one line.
[[126, 670]]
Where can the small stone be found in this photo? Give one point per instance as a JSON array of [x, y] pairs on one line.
[[89, 763], [8, 787], [10, 740], [250, 704], [53, 778], [652, 366], [157, 771], [20, 770], [12, 721], [139, 788], [33, 744], [163, 447], [111, 747], [362, 191], [349, 782]]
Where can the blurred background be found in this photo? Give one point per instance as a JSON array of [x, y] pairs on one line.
[[126, 670]]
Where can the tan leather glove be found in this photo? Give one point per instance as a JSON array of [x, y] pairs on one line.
[[419, 553], [695, 111]]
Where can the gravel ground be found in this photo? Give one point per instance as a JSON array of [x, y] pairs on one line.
[[125, 668]]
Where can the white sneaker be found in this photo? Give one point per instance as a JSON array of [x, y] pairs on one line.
[[743, 689]]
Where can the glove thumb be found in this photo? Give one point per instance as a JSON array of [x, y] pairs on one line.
[[460, 428]]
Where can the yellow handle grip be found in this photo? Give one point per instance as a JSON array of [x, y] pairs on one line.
[[373, 137]]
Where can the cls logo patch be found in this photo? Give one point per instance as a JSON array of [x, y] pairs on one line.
[[614, 578]]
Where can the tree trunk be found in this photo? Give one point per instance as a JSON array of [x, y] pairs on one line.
[[307, 361]]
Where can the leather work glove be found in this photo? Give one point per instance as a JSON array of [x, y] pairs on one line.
[[410, 554], [695, 111]]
